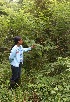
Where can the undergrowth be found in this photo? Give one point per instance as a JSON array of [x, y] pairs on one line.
[[49, 84]]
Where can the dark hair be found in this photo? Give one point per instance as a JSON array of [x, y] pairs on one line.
[[16, 39]]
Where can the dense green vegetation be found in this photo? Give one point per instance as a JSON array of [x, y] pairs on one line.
[[46, 70]]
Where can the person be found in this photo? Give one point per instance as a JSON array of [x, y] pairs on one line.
[[16, 61]]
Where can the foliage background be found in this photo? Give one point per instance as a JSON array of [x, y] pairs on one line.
[[46, 70]]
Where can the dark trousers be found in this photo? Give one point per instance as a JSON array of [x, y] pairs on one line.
[[16, 74]]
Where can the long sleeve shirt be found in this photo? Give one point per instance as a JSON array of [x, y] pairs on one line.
[[16, 55]]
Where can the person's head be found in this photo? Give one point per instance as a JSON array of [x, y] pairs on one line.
[[18, 40]]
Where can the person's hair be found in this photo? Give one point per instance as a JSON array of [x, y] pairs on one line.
[[16, 39]]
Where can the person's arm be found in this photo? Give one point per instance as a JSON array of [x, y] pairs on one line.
[[27, 49], [12, 54]]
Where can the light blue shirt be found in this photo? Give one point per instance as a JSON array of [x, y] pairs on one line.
[[16, 55]]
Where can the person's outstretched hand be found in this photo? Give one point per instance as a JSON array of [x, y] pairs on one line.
[[33, 46]]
